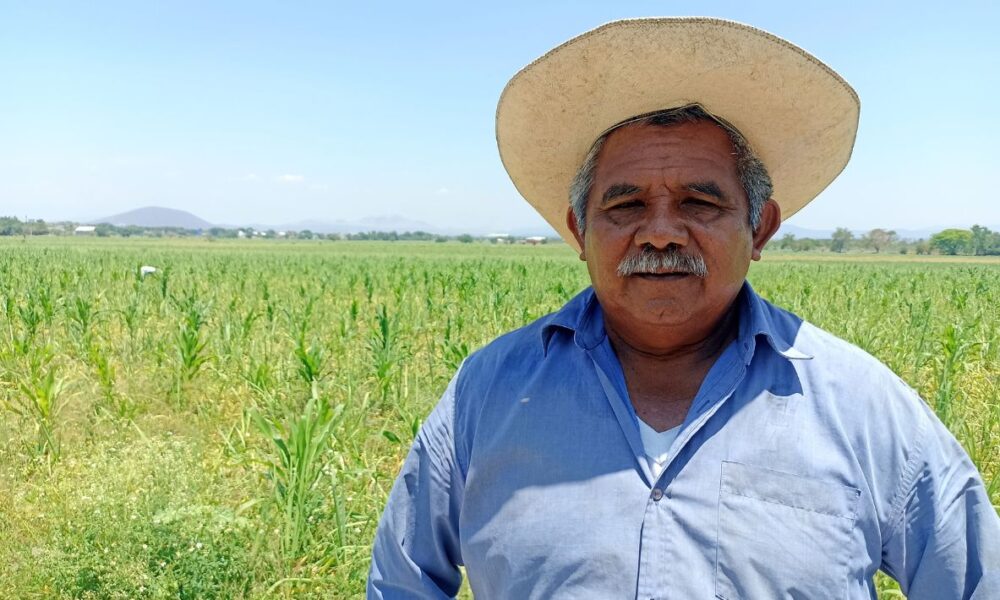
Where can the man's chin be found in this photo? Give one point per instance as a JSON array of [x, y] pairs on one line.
[[662, 310]]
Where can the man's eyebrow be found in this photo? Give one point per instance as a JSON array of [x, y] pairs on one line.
[[709, 188], [618, 190]]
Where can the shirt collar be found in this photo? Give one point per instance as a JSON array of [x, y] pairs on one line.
[[582, 316], [778, 328]]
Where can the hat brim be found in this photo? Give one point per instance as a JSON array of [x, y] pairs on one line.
[[798, 115]]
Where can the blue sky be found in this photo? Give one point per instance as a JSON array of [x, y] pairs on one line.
[[275, 112]]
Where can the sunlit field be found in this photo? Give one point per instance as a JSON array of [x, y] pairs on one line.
[[231, 425]]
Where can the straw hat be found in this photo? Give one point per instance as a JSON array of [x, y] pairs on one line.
[[799, 116]]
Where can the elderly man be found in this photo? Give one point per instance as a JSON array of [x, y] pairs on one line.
[[668, 433]]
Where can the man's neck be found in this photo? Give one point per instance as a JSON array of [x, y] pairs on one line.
[[662, 381]]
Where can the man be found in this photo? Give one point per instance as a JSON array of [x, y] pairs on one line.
[[668, 433]]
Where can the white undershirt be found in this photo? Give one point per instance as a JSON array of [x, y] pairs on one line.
[[656, 445]]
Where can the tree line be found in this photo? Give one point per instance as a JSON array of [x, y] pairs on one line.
[[977, 241], [12, 226]]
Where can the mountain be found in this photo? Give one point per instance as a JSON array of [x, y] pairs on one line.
[[157, 216]]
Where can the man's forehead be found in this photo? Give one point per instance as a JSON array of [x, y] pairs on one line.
[[701, 145]]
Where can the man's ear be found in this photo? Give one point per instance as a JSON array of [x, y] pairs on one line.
[[770, 220], [571, 223]]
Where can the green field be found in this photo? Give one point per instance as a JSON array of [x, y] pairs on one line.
[[231, 426]]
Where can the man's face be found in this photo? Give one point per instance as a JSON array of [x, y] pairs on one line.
[[673, 187]]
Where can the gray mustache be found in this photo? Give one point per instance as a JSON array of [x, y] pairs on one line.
[[649, 260]]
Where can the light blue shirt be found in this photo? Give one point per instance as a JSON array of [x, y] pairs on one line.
[[803, 466]]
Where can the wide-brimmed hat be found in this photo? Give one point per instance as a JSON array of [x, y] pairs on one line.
[[799, 116]]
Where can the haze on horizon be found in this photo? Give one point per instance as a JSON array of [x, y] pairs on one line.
[[266, 113]]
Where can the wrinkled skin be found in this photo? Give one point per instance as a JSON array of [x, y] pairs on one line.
[[663, 186]]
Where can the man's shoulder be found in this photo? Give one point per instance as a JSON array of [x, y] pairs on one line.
[[839, 364], [522, 346], [814, 341]]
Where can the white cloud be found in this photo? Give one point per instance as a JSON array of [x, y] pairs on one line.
[[289, 178], [443, 191]]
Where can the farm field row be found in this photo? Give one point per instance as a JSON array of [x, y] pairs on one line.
[[231, 425]]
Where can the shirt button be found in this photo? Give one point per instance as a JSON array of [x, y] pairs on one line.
[[657, 494]]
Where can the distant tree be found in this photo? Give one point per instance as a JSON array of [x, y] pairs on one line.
[[807, 244], [922, 247], [222, 232], [984, 241], [130, 230], [879, 239], [980, 239], [422, 236], [39, 227], [840, 238], [952, 241], [464, 238], [10, 226], [787, 241]]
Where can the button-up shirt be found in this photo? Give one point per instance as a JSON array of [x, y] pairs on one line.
[[803, 466]]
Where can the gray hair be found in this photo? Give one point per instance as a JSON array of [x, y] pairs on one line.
[[751, 171], [670, 260]]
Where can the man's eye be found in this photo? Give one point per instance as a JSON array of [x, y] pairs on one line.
[[700, 203], [627, 204]]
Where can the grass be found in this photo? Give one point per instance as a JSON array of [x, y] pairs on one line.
[[230, 427]]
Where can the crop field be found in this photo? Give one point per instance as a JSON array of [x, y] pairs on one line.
[[231, 425]]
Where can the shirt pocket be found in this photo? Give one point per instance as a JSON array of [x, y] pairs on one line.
[[782, 535]]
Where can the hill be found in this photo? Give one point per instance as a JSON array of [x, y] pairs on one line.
[[157, 216]]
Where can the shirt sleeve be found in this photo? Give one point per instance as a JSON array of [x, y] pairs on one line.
[[416, 551], [944, 541]]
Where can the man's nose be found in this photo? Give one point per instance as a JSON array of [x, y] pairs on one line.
[[661, 227]]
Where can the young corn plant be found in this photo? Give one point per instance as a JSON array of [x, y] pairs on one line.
[[81, 316], [310, 363], [31, 320], [42, 298], [954, 346], [130, 314], [454, 350], [386, 350], [112, 401], [164, 281], [295, 462], [40, 402], [189, 344]]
